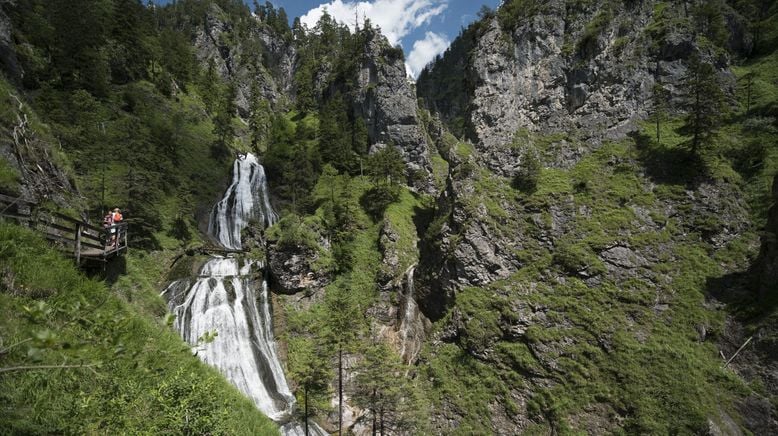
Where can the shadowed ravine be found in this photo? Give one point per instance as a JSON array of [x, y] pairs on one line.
[[227, 299]]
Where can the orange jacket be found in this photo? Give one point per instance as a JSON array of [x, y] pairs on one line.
[[117, 216]]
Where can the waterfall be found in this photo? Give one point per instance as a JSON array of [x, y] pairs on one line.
[[225, 298], [411, 326], [246, 198]]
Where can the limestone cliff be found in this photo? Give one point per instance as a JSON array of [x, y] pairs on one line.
[[587, 69], [248, 54], [386, 100]]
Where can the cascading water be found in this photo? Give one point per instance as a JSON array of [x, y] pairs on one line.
[[411, 327], [247, 198], [224, 299]]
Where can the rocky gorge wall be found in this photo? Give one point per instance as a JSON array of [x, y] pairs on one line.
[[583, 69]]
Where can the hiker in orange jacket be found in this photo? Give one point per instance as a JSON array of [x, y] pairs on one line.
[[116, 218]]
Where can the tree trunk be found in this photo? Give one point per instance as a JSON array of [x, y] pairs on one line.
[[340, 389], [373, 409], [382, 420], [305, 409]]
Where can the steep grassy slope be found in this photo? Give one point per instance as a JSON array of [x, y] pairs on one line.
[[614, 278], [77, 358]]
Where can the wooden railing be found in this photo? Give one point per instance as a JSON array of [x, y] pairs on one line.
[[75, 237]]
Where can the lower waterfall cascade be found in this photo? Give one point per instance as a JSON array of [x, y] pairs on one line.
[[227, 298], [411, 322]]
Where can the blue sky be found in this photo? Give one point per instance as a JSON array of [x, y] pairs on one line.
[[424, 28]]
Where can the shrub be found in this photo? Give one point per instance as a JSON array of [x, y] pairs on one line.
[[376, 199], [526, 178]]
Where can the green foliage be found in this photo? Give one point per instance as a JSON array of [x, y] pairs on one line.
[[710, 22], [292, 232], [386, 166], [704, 103], [292, 159], [97, 363], [528, 174], [577, 259], [379, 385], [587, 44], [311, 371], [514, 12], [400, 217], [376, 199], [9, 178]]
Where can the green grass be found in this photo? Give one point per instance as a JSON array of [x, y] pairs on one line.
[[602, 344], [131, 373], [400, 216], [9, 178]]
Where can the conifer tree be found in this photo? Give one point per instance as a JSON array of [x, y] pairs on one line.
[[386, 166], [223, 121], [259, 118], [343, 322], [379, 382], [659, 100], [704, 104], [308, 367]]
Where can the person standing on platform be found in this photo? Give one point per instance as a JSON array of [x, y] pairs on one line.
[[116, 218]]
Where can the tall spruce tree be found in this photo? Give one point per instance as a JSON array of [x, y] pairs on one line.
[[704, 103], [660, 97], [308, 367], [343, 324], [379, 384]]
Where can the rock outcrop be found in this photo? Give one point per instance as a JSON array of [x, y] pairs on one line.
[[292, 270], [255, 58], [584, 70], [8, 61], [386, 100]]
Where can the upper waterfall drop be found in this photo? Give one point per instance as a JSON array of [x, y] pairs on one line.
[[245, 199]]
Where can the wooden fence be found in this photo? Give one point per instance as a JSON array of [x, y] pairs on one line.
[[76, 238]]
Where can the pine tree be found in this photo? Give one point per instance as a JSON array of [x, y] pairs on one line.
[[259, 118], [343, 323], [379, 383], [308, 367], [386, 166], [659, 100], [222, 121], [704, 103]]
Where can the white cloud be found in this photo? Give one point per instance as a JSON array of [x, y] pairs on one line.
[[424, 50], [397, 18]]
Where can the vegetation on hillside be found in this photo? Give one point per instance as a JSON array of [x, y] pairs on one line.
[[118, 85], [78, 357]]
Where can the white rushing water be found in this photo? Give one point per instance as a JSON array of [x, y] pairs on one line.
[[411, 328], [224, 299], [246, 198]]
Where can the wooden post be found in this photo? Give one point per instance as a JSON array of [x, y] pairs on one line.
[[78, 244], [737, 352]]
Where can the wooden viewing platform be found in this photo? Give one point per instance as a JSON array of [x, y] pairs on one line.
[[73, 236]]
